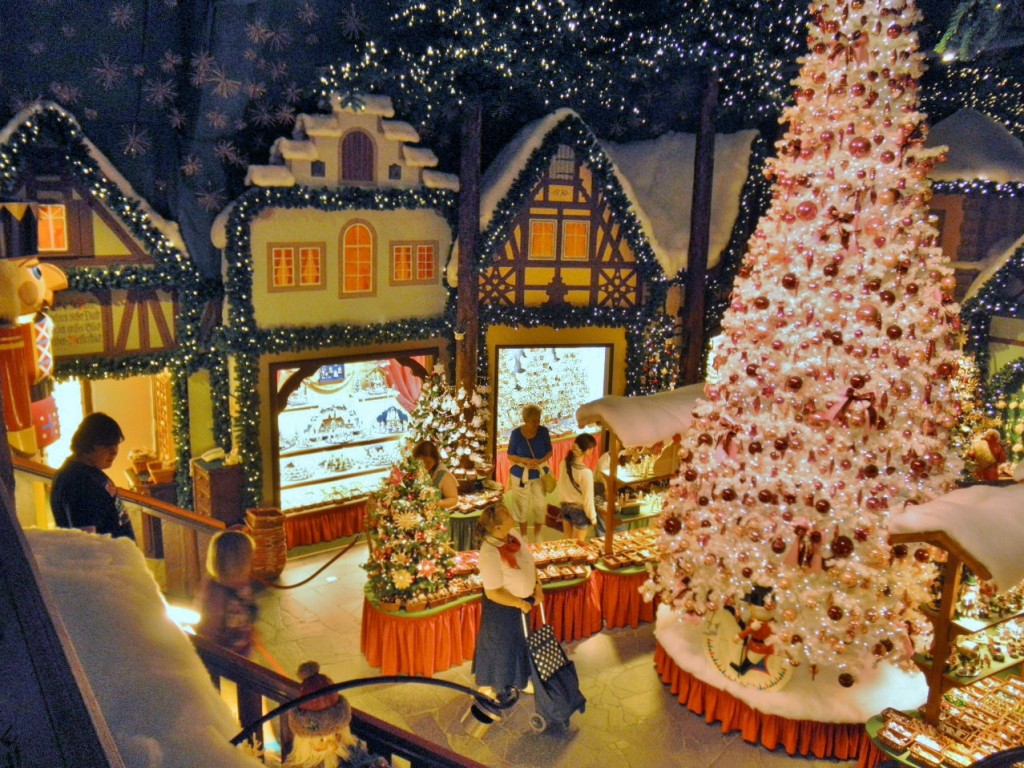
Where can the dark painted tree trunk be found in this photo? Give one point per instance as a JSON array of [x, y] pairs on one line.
[[700, 229], [467, 324]]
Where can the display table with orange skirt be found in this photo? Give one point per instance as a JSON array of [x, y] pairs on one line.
[[326, 524], [842, 741], [433, 640], [621, 602]]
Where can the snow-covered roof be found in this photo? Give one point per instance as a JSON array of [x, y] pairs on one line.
[[219, 228], [168, 229], [269, 176], [992, 267], [439, 180], [644, 420], [317, 125], [364, 104], [399, 130], [293, 150], [419, 157], [658, 176], [151, 687], [979, 148], [985, 520]]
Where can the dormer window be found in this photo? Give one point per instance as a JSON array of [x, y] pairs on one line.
[[318, 169], [563, 164], [394, 172], [357, 157]]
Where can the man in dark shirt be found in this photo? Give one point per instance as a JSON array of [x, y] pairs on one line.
[[82, 495]]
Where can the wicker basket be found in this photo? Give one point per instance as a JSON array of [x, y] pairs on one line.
[[266, 526]]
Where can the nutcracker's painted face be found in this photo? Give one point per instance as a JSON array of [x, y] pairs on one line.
[[36, 284]]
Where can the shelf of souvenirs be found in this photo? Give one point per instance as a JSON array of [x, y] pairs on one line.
[[360, 442], [630, 549], [301, 498], [471, 503], [974, 722], [976, 613], [981, 654]]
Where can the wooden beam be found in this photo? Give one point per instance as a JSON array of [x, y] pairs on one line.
[[467, 324], [692, 310]]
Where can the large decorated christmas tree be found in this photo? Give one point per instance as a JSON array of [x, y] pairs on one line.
[[409, 552], [832, 410]]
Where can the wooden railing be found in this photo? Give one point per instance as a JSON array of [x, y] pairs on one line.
[[255, 683], [174, 539]]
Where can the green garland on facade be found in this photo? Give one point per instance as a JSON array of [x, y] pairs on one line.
[[172, 271], [573, 132], [245, 341]]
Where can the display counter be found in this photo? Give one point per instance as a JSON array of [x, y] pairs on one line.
[[621, 602]]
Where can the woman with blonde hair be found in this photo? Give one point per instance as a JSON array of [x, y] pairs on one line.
[[529, 448]]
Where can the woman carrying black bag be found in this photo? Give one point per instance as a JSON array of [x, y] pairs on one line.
[[511, 589]]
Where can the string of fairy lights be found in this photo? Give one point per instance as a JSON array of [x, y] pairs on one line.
[[171, 270]]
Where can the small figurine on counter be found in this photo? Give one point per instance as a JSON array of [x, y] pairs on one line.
[[987, 453]]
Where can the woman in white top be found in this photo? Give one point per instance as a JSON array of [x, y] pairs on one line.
[[511, 589], [576, 489]]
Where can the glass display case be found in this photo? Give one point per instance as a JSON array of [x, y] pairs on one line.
[[343, 427]]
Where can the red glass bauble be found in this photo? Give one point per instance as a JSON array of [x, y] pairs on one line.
[[887, 156], [806, 211], [790, 281], [728, 494], [868, 314], [761, 302], [846, 680], [944, 370], [894, 332], [858, 380], [922, 555], [690, 475], [823, 506], [860, 146], [778, 546], [794, 383], [887, 297], [673, 525], [781, 444], [755, 447], [835, 613], [747, 572], [842, 546], [894, 31], [899, 551]]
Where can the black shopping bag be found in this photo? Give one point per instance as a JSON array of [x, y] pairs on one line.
[[547, 653]]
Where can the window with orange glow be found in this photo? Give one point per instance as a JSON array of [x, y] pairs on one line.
[[426, 264], [311, 270], [542, 239], [402, 255], [357, 259], [282, 267], [53, 228], [575, 240]]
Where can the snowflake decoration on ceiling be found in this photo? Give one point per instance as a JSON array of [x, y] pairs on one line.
[[211, 200], [177, 119], [108, 73], [139, 70], [278, 71], [69, 31], [293, 93], [66, 93], [191, 166], [201, 63], [255, 90], [284, 115], [263, 115], [159, 92], [137, 141], [251, 54], [226, 151], [122, 15], [170, 61], [257, 31], [223, 85], [308, 14], [352, 24], [90, 113], [311, 39], [218, 120], [279, 39], [37, 47]]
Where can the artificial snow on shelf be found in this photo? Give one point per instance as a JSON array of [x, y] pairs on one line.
[[985, 520], [820, 700], [153, 690], [644, 420]]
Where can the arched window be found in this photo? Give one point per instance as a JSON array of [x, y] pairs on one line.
[[357, 157], [357, 260]]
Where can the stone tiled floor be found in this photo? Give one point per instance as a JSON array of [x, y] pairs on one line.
[[631, 718]]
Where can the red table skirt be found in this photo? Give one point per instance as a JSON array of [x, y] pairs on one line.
[[621, 603], [403, 644], [842, 741], [305, 528]]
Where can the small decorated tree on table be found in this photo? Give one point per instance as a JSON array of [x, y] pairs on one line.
[[409, 552], [453, 420], [833, 406], [428, 420]]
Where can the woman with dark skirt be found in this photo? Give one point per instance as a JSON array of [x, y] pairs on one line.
[[511, 589]]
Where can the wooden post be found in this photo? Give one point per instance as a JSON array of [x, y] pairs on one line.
[[467, 325], [692, 311], [611, 492]]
